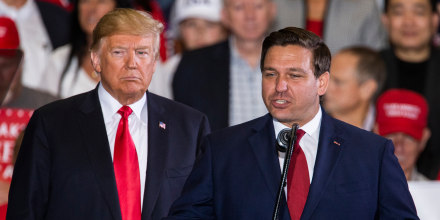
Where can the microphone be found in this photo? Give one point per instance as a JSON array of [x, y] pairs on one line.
[[285, 141]]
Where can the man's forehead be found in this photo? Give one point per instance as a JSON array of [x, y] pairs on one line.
[[230, 2], [399, 134], [412, 3], [123, 40]]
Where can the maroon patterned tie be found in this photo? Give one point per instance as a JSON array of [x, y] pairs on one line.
[[298, 181], [125, 163]]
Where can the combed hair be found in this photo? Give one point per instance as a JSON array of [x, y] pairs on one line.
[[370, 65], [130, 22], [303, 38]]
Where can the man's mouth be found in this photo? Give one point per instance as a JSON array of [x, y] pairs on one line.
[[280, 101]]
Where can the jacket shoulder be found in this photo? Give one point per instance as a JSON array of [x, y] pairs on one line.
[[64, 105], [356, 136], [174, 108]]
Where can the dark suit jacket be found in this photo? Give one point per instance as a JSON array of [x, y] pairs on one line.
[[57, 22], [65, 171], [202, 82], [356, 176], [429, 161]]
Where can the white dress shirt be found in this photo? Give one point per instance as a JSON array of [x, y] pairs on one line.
[[308, 143], [138, 126]]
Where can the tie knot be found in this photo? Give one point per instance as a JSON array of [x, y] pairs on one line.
[[125, 111], [299, 134]]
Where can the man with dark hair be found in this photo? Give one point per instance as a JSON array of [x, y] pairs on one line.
[[337, 171], [413, 63], [223, 80], [358, 74]]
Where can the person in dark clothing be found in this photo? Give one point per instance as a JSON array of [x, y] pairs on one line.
[[412, 63]]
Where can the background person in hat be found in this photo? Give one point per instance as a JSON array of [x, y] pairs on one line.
[[194, 25], [16, 103], [17, 95], [43, 26], [402, 117]]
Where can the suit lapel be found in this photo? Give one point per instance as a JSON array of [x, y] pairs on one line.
[[262, 144], [158, 127], [329, 147], [93, 130]]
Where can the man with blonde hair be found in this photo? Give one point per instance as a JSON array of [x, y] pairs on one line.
[[116, 152]]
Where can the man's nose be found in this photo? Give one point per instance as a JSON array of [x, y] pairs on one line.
[[281, 85], [250, 11], [131, 60]]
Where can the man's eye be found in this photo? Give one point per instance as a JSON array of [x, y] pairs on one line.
[[142, 52], [117, 52], [269, 74]]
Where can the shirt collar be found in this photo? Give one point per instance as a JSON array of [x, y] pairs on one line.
[[311, 128], [369, 119], [236, 57], [110, 105]]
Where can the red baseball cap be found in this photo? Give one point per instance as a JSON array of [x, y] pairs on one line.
[[9, 39], [401, 110]]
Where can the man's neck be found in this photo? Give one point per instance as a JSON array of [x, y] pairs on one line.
[[354, 117], [413, 55], [249, 51], [408, 174], [15, 3]]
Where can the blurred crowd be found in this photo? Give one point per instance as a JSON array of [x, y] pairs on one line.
[[385, 71]]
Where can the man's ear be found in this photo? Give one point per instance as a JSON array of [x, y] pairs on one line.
[[385, 21], [272, 10], [96, 61], [435, 18], [368, 89], [425, 137], [224, 17], [323, 80]]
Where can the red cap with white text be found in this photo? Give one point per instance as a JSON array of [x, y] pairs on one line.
[[401, 110], [9, 39]]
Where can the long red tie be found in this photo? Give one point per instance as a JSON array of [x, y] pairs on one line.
[[125, 163], [298, 181]]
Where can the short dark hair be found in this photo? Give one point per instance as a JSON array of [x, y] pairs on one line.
[[433, 4], [370, 65], [303, 38]]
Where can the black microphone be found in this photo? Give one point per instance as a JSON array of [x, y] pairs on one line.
[[285, 141]]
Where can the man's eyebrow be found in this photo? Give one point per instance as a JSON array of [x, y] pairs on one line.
[[292, 69], [396, 6], [118, 47], [142, 47], [268, 69], [419, 5], [297, 70]]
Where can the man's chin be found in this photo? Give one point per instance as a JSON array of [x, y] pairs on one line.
[[283, 118]]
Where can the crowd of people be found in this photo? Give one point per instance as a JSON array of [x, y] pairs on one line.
[[384, 73]]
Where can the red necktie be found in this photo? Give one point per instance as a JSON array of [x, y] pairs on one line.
[[125, 163], [298, 181]]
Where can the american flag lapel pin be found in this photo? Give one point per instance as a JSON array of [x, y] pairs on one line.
[[162, 125]]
